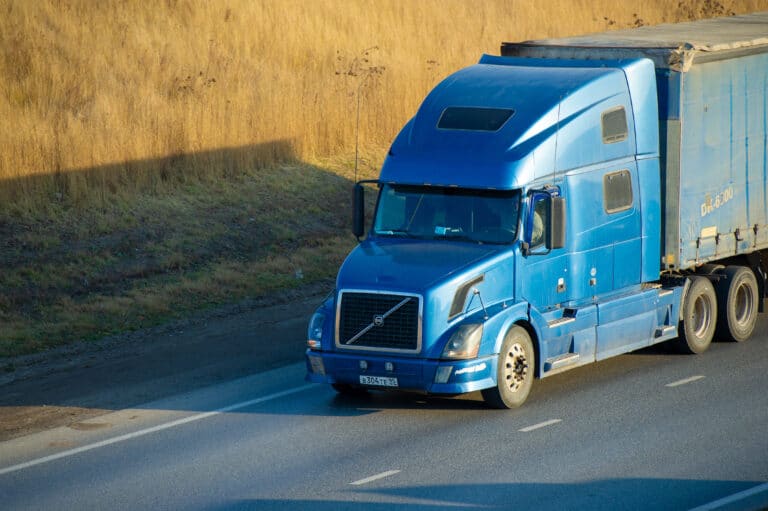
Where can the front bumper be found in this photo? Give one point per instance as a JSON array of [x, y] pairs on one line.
[[422, 375]]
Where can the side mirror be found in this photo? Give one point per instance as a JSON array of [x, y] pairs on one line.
[[358, 211], [556, 231]]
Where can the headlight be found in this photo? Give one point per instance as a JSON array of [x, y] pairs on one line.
[[464, 342], [315, 331]]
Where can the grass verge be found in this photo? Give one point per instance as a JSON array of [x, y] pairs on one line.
[[74, 271]]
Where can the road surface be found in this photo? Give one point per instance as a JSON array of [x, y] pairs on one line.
[[648, 430]]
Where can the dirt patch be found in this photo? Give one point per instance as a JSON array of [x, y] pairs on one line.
[[66, 386]]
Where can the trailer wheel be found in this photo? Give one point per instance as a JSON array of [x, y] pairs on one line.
[[514, 375], [737, 296], [699, 316]]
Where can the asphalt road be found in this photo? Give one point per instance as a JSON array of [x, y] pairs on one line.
[[649, 430]]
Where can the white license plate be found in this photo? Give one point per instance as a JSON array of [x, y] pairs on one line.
[[379, 381]]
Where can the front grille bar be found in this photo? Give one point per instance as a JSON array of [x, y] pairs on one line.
[[373, 323], [398, 314]]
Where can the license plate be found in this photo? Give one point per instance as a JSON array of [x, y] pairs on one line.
[[379, 381]]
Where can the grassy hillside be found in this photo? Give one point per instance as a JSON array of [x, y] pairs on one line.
[[162, 157]]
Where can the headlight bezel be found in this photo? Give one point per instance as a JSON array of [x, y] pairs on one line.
[[315, 331], [464, 343]]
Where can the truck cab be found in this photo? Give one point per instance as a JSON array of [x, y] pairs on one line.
[[517, 207]]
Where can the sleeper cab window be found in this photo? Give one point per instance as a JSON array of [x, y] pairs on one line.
[[614, 122], [474, 118], [617, 191]]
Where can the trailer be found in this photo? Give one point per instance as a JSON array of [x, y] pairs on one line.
[[711, 78]]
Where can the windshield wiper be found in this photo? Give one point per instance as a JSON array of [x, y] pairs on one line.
[[459, 236], [453, 233], [405, 234]]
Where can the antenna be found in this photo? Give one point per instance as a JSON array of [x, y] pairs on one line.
[[357, 122], [357, 127]]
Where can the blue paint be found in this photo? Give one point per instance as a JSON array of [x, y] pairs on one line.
[[656, 156]]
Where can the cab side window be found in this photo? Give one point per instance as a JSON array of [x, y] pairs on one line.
[[614, 124], [617, 191]]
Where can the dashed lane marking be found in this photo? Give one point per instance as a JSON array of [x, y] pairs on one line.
[[684, 381], [375, 478], [539, 425], [730, 499]]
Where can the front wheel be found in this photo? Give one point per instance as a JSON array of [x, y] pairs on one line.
[[514, 375], [699, 316]]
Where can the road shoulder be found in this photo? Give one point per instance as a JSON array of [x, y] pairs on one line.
[[67, 386]]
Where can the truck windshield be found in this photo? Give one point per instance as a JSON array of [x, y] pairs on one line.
[[426, 212]]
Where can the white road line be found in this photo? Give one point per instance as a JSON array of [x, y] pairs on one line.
[[375, 478], [733, 498], [684, 381], [154, 429], [539, 425]]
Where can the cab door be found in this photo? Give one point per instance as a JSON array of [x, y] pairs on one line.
[[543, 270]]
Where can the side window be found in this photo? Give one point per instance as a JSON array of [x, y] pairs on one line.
[[614, 123], [540, 219], [617, 191]]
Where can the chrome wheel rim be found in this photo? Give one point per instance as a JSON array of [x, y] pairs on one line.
[[515, 367], [744, 304], [700, 316]]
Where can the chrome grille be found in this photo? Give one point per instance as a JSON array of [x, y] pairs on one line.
[[389, 322]]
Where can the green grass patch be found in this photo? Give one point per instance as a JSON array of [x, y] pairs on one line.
[[81, 271]]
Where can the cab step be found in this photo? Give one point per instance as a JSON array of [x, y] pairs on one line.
[[560, 361]]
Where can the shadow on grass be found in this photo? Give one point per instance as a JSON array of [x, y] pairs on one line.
[[89, 185], [92, 252]]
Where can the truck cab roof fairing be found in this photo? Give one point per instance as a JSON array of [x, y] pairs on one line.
[[552, 97]]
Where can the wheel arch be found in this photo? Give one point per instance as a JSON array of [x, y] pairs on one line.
[[518, 316], [528, 327], [756, 261]]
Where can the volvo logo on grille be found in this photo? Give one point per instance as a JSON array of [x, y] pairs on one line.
[[378, 320]]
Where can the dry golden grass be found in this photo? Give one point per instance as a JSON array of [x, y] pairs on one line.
[[99, 86], [139, 140]]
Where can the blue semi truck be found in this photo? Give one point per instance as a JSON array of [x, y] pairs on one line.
[[565, 202]]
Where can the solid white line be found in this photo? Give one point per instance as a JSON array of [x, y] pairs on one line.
[[376, 477], [732, 498], [539, 425], [683, 382], [154, 429]]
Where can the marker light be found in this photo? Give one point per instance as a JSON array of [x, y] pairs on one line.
[[443, 374], [317, 365]]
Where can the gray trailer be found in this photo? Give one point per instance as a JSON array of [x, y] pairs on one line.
[[712, 84]]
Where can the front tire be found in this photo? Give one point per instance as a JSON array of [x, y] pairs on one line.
[[514, 375], [738, 299], [699, 317]]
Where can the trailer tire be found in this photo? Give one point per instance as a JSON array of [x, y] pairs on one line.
[[737, 296], [515, 371], [699, 316]]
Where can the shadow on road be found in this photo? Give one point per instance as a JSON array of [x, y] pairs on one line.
[[628, 494]]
